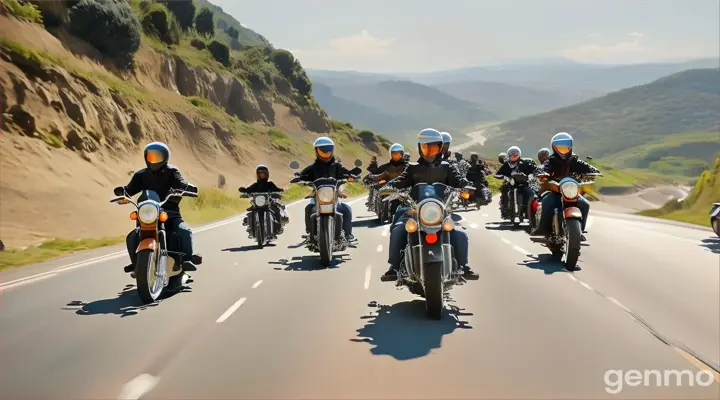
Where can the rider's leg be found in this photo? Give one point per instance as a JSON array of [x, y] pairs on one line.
[[461, 244], [398, 241], [549, 202], [584, 207], [184, 233], [308, 221], [132, 241], [346, 211]]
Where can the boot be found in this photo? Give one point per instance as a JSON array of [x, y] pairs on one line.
[[469, 274], [390, 275]]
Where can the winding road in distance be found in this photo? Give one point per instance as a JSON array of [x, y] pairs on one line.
[[261, 324]]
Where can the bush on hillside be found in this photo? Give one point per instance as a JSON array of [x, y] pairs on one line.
[[198, 44], [300, 80], [284, 61], [233, 33], [220, 52], [25, 11], [159, 22], [204, 23], [110, 26], [183, 10]]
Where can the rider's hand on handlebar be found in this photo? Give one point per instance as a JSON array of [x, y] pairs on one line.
[[119, 191]]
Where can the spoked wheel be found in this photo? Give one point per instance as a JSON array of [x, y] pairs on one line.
[[149, 285], [573, 233]]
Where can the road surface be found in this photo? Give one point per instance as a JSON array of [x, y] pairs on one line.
[[476, 137], [261, 324]]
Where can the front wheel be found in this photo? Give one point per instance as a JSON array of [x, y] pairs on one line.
[[259, 231], [326, 237], [149, 285], [434, 289], [573, 233], [716, 226]]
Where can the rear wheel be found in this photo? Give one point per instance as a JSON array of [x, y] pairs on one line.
[[149, 285], [326, 236], [716, 226], [573, 233], [434, 289]]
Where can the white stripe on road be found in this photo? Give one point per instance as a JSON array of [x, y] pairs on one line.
[[520, 250], [505, 240], [474, 226], [368, 272], [230, 310], [257, 284], [137, 387], [379, 248], [26, 281]]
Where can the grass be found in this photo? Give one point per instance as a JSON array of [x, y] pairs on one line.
[[11, 258], [280, 139], [28, 12], [211, 204]]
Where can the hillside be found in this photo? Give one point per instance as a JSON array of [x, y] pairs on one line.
[[223, 21], [682, 103], [696, 207], [76, 116], [512, 101], [402, 107]]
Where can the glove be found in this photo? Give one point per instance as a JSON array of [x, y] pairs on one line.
[[191, 188], [119, 191], [294, 180], [242, 189]]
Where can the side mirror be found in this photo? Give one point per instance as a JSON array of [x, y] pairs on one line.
[[356, 171], [358, 163], [588, 158], [294, 165]]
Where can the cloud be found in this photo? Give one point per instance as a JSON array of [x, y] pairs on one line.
[[616, 52], [347, 50], [636, 34], [594, 35]]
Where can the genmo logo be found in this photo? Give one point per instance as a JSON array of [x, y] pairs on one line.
[[617, 379]]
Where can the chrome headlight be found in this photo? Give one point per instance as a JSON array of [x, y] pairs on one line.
[[570, 189], [431, 214], [148, 213], [326, 195], [260, 201]]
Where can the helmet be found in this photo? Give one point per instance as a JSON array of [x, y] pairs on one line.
[[562, 144], [430, 143], [502, 157], [458, 156], [156, 155], [513, 154], [397, 152], [446, 139], [474, 156], [262, 172], [324, 148], [407, 156], [543, 154]]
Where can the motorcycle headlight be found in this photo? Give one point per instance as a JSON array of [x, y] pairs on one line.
[[260, 201], [326, 195], [148, 213], [431, 214], [570, 189]]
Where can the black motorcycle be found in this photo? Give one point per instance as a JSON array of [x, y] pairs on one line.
[[715, 218], [261, 220], [429, 267], [518, 208]]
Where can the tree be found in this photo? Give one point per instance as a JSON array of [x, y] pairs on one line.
[[284, 61], [233, 33], [184, 11], [205, 22], [220, 52]]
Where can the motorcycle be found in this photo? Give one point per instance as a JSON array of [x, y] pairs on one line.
[[715, 218], [565, 236], [158, 266], [327, 236], [385, 210], [261, 217], [520, 209], [429, 268]]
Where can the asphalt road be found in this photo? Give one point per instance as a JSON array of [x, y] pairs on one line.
[[261, 324]]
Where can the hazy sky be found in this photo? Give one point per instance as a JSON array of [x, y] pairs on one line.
[[425, 35]]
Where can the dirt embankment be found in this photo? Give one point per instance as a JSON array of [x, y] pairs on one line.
[[71, 130]]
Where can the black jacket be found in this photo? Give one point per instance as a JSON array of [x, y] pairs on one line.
[[373, 168], [477, 172], [390, 170], [524, 165], [425, 172], [320, 169], [262, 186], [558, 168], [160, 182]]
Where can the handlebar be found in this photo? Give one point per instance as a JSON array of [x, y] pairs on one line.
[[125, 199]]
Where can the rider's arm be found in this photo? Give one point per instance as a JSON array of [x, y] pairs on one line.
[[530, 167], [251, 189], [273, 187], [178, 182], [455, 178], [581, 167], [403, 181], [503, 171], [306, 175], [132, 188]]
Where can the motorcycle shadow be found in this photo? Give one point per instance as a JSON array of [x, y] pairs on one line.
[[404, 331], [126, 304], [503, 226], [308, 263], [247, 248], [712, 244], [366, 223], [546, 263]]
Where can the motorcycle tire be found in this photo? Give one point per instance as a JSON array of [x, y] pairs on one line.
[[144, 269], [326, 235], [259, 231], [573, 233], [434, 289]]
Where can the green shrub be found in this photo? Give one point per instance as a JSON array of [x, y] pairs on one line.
[[220, 52], [198, 44], [110, 26], [204, 23], [233, 33], [28, 12], [183, 10], [159, 22], [284, 62]]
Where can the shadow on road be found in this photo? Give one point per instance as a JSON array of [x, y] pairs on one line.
[[247, 248], [544, 262], [308, 263], [126, 304], [712, 244], [404, 331], [502, 226], [366, 223]]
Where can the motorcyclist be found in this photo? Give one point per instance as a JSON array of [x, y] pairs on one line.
[[162, 178], [394, 167], [264, 185], [445, 152], [326, 166], [562, 163], [407, 156], [372, 192], [476, 174], [516, 164], [504, 188], [427, 170], [543, 155]]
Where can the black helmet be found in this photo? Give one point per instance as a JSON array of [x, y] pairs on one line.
[[543, 154], [502, 157], [262, 172], [157, 155], [458, 156], [474, 156]]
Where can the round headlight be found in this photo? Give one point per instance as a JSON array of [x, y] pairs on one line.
[[260, 201], [326, 195], [431, 214], [569, 189], [148, 213]]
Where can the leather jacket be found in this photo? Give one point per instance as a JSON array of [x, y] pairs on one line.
[[425, 172], [161, 182]]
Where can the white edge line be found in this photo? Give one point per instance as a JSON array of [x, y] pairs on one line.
[[585, 285], [230, 310], [137, 387], [520, 250], [26, 281], [111, 256], [257, 284], [368, 272], [505, 240], [571, 276], [379, 248]]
